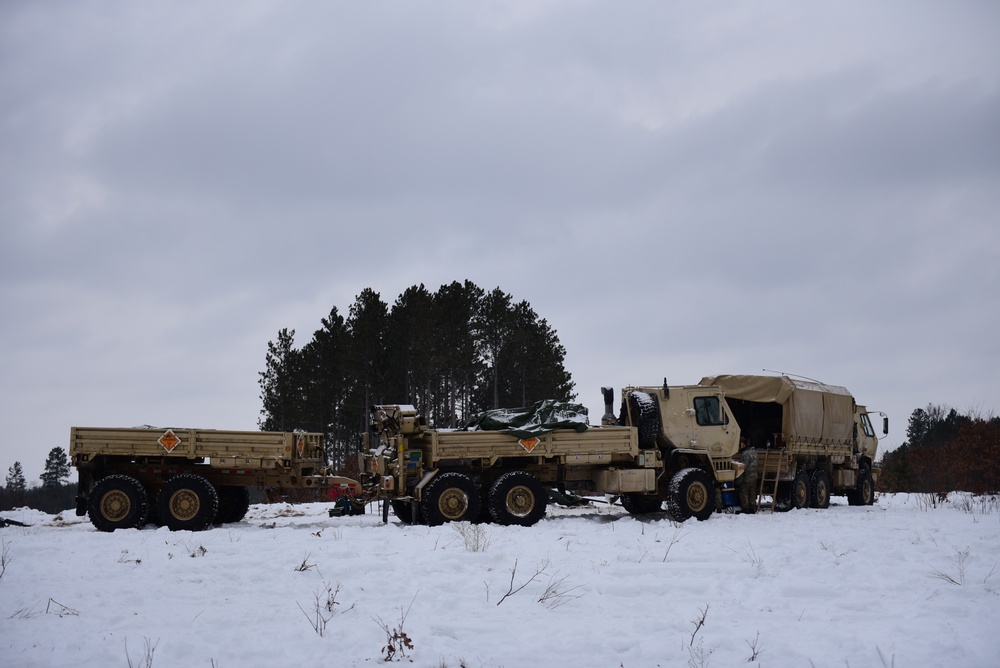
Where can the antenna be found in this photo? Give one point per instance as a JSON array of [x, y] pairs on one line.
[[797, 375]]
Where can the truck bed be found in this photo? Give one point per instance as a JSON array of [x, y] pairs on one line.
[[221, 449], [567, 446]]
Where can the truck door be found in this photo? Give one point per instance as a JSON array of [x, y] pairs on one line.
[[714, 430]]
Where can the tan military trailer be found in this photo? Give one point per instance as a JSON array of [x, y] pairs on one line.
[[434, 476], [189, 478]]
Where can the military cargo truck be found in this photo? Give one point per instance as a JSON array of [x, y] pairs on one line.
[[809, 439], [728, 441], [434, 476], [189, 478]]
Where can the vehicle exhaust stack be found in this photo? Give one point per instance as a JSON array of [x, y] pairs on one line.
[[609, 400]]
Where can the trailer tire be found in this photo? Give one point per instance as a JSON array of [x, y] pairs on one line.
[[187, 502], [117, 502], [692, 494], [234, 502], [641, 504], [647, 418], [517, 498], [450, 497], [801, 490], [819, 489]]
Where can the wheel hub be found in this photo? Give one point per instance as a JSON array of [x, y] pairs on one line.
[[453, 504], [184, 504], [115, 505], [520, 501]]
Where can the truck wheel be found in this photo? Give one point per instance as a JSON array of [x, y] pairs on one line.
[[801, 493], [234, 502], [646, 414], [517, 498], [117, 502], [403, 510], [450, 497], [819, 489], [863, 493], [641, 504], [187, 502], [692, 494]]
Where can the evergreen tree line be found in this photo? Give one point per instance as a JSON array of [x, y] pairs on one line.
[[53, 496], [945, 451], [450, 353]]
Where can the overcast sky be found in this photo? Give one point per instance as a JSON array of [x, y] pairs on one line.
[[680, 189]]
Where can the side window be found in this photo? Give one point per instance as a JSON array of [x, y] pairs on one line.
[[867, 424], [708, 411]]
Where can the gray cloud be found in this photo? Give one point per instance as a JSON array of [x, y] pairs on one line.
[[680, 191]]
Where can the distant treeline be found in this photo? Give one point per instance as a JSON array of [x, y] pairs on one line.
[[450, 353], [944, 452]]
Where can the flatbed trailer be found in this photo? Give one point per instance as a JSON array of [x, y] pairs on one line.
[[189, 478]]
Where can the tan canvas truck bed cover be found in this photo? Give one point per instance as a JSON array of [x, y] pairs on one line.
[[814, 412]]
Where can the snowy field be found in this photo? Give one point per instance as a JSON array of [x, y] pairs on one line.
[[902, 583]]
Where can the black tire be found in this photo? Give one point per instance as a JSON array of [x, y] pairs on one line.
[[517, 498], [863, 493], [117, 502], [641, 504], [450, 497], [801, 490], [646, 414], [819, 489], [187, 502], [692, 494], [234, 502], [403, 510]]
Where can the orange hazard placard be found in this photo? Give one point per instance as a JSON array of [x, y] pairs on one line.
[[169, 440], [529, 443]]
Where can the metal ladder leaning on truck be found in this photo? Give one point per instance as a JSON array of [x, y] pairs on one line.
[[684, 446]]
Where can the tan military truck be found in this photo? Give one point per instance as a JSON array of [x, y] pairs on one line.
[[798, 440], [434, 476], [809, 439], [189, 478], [688, 446]]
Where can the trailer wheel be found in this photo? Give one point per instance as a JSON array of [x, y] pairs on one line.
[[863, 493], [234, 502], [517, 498], [692, 494], [641, 504], [117, 502], [801, 493], [187, 502], [450, 497], [819, 489]]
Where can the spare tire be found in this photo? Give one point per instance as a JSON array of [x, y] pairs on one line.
[[646, 414]]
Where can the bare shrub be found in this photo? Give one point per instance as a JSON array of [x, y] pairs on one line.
[[475, 537], [397, 640], [146, 660]]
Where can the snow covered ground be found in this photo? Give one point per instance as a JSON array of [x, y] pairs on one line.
[[901, 583]]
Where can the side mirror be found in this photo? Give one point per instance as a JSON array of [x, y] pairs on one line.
[[885, 425]]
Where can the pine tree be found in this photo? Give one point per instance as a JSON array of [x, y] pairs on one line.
[[367, 354], [281, 385], [15, 478], [326, 386], [56, 468]]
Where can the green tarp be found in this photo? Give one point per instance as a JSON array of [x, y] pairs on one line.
[[535, 420]]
